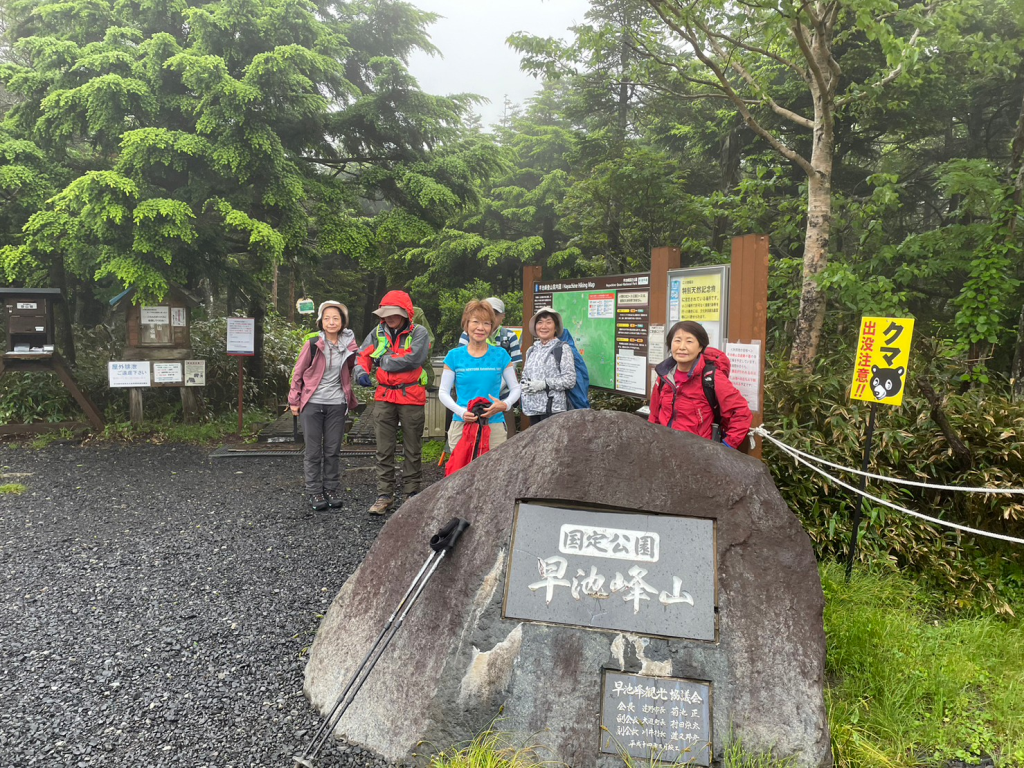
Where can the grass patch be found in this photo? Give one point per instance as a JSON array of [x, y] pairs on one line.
[[12, 489], [913, 688], [171, 430], [490, 749], [432, 450]]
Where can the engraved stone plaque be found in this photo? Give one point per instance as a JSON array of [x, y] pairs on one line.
[[667, 719], [613, 570]]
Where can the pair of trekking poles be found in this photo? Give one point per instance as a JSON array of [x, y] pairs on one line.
[[441, 543]]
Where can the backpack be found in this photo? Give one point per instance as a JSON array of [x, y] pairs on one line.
[[708, 383], [579, 395]]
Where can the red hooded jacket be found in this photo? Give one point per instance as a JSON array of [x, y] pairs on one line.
[[397, 359], [678, 400]]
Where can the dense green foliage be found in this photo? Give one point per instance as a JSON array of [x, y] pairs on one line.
[[812, 414]]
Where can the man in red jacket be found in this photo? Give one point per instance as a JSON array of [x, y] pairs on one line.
[[680, 397], [396, 350]]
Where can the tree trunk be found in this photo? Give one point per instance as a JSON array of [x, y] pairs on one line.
[[731, 155], [273, 292], [291, 295], [811, 317], [257, 365], [1015, 172], [63, 313]]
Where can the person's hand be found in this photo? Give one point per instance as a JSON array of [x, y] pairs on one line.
[[534, 386], [295, 410], [498, 406], [468, 416], [364, 380]]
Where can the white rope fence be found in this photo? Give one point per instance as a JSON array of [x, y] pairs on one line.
[[805, 458]]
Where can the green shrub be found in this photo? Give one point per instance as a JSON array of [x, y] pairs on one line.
[[34, 397], [812, 412]]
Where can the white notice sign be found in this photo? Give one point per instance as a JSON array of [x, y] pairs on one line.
[[156, 315], [195, 373], [656, 344], [629, 372], [241, 336], [178, 317], [746, 371], [129, 373], [167, 373], [27, 305]]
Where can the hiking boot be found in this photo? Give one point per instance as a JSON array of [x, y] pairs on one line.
[[317, 501], [334, 497], [381, 505]]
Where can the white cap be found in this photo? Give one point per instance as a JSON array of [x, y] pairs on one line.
[[496, 304], [337, 305]]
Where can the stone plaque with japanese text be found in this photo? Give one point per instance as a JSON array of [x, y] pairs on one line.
[[666, 719], [613, 570]]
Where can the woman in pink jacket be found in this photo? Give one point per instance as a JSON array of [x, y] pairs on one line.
[[678, 398], [321, 395]]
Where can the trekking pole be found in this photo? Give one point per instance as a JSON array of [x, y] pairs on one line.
[[440, 544]]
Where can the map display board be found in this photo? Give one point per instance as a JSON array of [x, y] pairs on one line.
[[608, 318]]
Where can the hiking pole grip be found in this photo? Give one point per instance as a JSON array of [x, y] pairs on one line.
[[444, 540]]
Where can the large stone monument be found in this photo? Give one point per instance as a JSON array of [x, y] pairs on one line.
[[623, 589]]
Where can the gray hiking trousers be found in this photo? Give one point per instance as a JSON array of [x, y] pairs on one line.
[[323, 427]]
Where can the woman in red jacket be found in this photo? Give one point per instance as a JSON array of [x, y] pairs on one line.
[[678, 399]]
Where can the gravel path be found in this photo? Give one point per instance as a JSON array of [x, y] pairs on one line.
[[156, 606]]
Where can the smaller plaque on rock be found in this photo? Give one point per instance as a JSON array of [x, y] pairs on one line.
[[663, 719]]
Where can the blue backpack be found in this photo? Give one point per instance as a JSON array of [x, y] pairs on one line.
[[578, 396]]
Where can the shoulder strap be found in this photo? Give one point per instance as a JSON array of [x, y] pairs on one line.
[[557, 353], [313, 349], [708, 382]]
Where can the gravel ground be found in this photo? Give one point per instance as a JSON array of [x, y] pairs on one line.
[[156, 606]]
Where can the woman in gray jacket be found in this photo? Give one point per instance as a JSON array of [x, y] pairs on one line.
[[549, 371]]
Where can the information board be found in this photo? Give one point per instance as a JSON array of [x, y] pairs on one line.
[[746, 371], [662, 719], [241, 336], [613, 570], [167, 373], [128, 373], [608, 318], [195, 373], [701, 294]]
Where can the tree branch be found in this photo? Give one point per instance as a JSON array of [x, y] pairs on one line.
[[738, 67], [725, 86], [896, 72]]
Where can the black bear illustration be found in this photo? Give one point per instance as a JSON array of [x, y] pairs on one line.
[[886, 382]]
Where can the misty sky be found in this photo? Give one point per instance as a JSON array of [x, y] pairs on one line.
[[476, 59]]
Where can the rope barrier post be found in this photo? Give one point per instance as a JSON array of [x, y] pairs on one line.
[[858, 514]]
